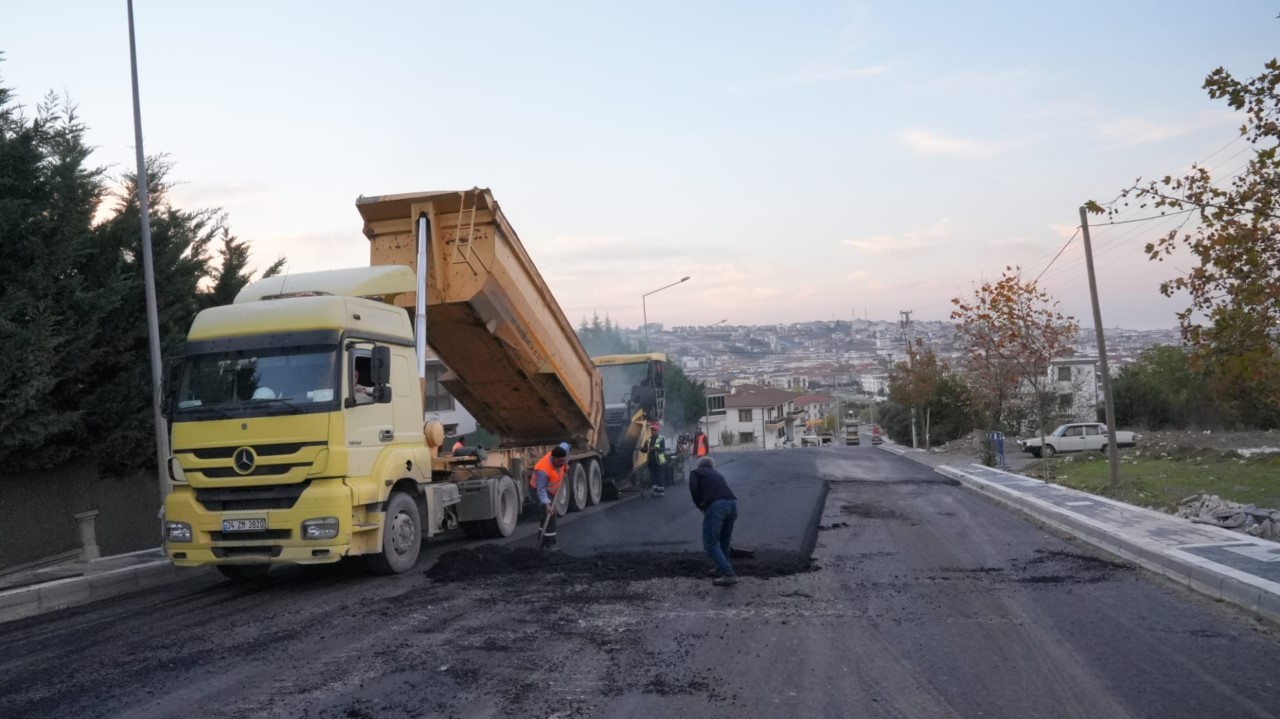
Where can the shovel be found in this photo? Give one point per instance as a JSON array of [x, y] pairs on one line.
[[542, 529]]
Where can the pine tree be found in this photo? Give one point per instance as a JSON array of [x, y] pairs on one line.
[[50, 306]]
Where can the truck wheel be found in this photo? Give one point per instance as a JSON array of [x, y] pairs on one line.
[[243, 572], [1103, 449], [578, 483], [508, 511], [401, 536], [595, 483], [562, 499], [1049, 451]]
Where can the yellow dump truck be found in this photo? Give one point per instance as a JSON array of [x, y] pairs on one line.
[[296, 413]]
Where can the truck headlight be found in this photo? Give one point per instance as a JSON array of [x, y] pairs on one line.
[[320, 528], [177, 532]]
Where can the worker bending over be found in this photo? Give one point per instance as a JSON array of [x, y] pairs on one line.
[[548, 474]]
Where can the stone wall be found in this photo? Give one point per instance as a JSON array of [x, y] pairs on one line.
[[37, 511]]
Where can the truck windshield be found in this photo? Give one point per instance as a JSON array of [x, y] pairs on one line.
[[261, 381], [620, 379]]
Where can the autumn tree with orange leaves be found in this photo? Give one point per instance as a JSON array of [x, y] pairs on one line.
[[1011, 330], [913, 383], [1234, 283]]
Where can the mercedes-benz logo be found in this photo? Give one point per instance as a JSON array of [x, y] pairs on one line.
[[243, 460]]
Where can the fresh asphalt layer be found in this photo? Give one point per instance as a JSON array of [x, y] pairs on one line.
[[778, 507], [928, 600]]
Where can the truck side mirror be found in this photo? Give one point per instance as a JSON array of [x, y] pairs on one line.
[[380, 365]]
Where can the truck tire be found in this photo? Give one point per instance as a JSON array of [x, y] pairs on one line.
[[595, 483], [578, 486], [1049, 451], [243, 572], [401, 536], [508, 510], [562, 499]]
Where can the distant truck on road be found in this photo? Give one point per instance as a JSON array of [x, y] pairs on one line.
[[851, 434], [1077, 437], [296, 413]]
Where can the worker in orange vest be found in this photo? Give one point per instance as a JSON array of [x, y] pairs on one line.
[[548, 474], [700, 446], [460, 444]]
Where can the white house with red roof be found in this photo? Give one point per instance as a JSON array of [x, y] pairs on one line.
[[761, 417]]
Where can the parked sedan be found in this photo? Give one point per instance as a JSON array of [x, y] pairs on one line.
[[1077, 437]]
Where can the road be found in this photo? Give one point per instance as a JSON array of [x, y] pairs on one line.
[[926, 601]]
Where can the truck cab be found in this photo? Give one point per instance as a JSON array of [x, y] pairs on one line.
[[292, 416]]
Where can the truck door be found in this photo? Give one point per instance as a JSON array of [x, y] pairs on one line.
[[369, 425]]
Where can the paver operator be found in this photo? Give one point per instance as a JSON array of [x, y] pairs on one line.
[[719, 506], [548, 474], [658, 462]]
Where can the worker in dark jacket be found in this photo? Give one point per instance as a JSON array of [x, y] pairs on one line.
[[719, 506]]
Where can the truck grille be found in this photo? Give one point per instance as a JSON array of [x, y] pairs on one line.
[[261, 470], [262, 450], [282, 496]]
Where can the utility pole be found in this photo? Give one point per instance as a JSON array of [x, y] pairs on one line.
[[906, 340], [149, 275], [1113, 455]]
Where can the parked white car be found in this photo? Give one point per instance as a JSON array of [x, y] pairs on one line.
[[1077, 437]]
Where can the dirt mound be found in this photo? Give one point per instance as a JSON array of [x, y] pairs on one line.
[[492, 560]]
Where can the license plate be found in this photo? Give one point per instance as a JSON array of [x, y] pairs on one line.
[[244, 525]]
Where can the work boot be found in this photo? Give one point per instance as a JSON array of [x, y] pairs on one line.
[[713, 572], [726, 581]]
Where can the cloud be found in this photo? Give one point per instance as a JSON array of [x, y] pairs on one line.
[[970, 82], [924, 142], [218, 194], [859, 275], [1013, 242], [1136, 131], [1062, 229], [814, 75], [910, 240], [832, 74]]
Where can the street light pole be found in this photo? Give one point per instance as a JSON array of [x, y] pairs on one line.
[[644, 307], [149, 275]]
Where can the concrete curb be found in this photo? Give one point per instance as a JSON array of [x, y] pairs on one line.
[[1210, 578], [74, 591]]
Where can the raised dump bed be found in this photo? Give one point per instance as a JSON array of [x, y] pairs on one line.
[[515, 362]]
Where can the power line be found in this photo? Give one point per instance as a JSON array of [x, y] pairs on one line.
[[1055, 257]]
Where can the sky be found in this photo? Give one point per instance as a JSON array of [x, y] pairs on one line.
[[808, 161]]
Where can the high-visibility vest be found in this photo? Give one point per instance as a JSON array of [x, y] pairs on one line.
[[658, 450], [700, 445], [554, 476]]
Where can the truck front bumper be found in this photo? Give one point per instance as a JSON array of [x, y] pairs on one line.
[[214, 541]]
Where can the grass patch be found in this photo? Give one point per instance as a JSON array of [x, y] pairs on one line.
[[1163, 482]]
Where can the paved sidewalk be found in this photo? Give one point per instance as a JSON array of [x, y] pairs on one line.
[[1225, 565], [67, 584]]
